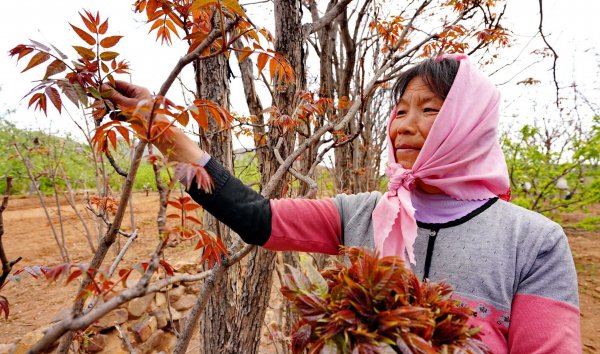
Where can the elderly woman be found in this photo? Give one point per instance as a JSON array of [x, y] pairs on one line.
[[513, 267]]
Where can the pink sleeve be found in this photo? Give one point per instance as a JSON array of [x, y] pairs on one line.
[[306, 225], [543, 325]]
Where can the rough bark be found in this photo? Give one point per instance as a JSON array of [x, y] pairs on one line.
[[212, 84], [255, 108], [255, 278]]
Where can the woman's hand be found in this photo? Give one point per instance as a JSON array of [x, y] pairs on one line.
[[124, 94], [175, 145]]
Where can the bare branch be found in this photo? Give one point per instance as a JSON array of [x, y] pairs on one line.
[[553, 52], [390, 61], [29, 169], [326, 19], [115, 165], [125, 339], [191, 57], [312, 184], [6, 264], [117, 260]]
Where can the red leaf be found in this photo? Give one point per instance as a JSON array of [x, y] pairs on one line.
[[110, 41], [74, 274], [103, 27], [175, 204], [183, 118], [107, 56], [191, 206], [85, 53], [84, 35], [54, 96], [273, 67], [193, 219], [124, 133], [112, 137], [37, 59], [244, 53], [172, 27], [54, 68], [262, 61], [22, 50], [91, 25], [174, 216], [55, 273], [123, 275], [168, 268], [40, 100]]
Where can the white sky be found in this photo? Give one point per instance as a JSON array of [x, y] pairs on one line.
[[570, 26]]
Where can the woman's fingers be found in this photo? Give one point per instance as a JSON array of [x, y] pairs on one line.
[[132, 91], [125, 94]]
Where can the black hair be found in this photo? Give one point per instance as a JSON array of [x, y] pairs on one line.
[[438, 75]]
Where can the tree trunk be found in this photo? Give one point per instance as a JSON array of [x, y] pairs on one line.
[[255, 278], [212, 84]]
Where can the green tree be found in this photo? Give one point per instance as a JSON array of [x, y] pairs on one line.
[[554, 167]]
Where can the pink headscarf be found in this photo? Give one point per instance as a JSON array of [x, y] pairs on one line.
[[461, 156]]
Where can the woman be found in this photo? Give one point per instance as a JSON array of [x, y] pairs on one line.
[[513, 267]]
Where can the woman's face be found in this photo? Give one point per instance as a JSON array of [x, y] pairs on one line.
[[415, 113]]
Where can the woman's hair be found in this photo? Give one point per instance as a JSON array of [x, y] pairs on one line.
[[438, 75]]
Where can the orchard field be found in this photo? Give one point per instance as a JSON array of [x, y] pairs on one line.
[[36, 303]]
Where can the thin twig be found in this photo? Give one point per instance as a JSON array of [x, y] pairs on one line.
[[28, 168], [125, 339], [114, 164], [312, 185], [115, 264], [325, 20], [553, 51]]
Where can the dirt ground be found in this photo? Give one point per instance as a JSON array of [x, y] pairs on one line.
[[34, 303]]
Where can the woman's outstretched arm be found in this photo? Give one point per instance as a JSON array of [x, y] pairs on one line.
[[285, 224]]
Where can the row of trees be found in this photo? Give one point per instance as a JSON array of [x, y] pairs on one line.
[[340, 108]]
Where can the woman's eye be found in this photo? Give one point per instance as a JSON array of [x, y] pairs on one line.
[[400, 114], [431, 110]]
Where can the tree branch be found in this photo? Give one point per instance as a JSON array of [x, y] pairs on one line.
[[6, 264], [125, 339], [195, 55], [553, 51], [312, 185], [114, 164], [390, 61], [327, 18]]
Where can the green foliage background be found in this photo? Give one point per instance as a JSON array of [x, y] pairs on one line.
[[76, 160]]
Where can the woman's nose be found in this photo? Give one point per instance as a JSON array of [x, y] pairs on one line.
[[407, 124]]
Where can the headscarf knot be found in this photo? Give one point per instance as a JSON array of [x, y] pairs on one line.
[[399, 179]]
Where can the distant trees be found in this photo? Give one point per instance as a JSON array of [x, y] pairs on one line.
[[554, 166]]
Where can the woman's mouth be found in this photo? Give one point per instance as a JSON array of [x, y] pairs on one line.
[[407, 148]]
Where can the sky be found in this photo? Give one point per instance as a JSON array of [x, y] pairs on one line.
[[570, 27]]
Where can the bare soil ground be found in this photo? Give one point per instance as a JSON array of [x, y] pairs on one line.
[[34, 303]]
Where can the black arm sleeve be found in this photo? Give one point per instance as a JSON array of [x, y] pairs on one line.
[[235, 204]]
